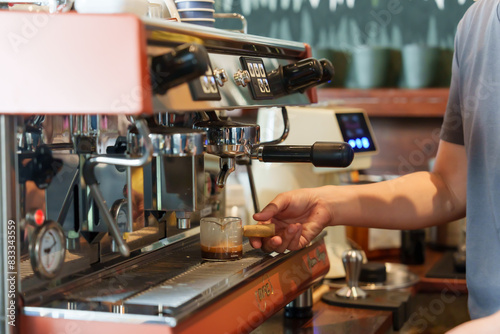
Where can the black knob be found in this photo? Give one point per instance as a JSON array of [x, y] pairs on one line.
[[320, 154], [328, 71], [184, 63], [120, 146], [42, 167], [295, 77]]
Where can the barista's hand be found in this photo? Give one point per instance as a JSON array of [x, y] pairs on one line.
[[299, 216]]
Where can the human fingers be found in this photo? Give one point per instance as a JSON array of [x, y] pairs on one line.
[[270, 245], [287, 236], [267, 213], [255, 242], [278, 204]]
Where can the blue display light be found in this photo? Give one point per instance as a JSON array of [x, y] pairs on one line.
[[358, 143], [365, 142]]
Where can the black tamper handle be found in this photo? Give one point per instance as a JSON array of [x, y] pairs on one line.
[[320, 154]]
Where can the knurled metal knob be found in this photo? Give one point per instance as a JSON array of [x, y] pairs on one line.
[[220, 76], [242, 78], [352, 260]]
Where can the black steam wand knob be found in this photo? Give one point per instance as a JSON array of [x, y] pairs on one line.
[[295, 77], [42, 167], [182, 64]]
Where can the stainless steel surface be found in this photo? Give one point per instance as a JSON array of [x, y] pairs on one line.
[[170, 141], [227, 166], [96, 193], [130, 162], [284, 135], [10, 279], [398, 277], [225, 50], [220, 76], [244, 23], [241, 78], [109, 220], [232, 96], [222, 39], [229, 139], [180, 184], [170, 284], [183, 219], [183, 223], [205, 278], [51, 6], [352, 260], [304, 300]]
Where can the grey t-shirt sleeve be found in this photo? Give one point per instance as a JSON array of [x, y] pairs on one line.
[[452, 129]]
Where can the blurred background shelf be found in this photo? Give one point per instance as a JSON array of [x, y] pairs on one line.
[[390, 102]]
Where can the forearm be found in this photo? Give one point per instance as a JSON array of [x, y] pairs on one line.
[[413, 201]]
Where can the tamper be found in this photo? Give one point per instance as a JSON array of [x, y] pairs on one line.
[[399, 302], [352, 260]]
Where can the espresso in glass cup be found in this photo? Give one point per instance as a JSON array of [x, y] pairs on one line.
[[221, 238]]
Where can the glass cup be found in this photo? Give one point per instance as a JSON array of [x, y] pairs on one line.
[[155, 10], [221, 238]]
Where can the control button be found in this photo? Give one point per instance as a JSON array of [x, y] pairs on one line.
[[205, 85], [213, 85], [204, 88], [262, 71], [251, 69], [267, 89], [220, 76], [261, 86], [242, 78]]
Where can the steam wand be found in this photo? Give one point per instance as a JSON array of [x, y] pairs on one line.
[[95, 192]]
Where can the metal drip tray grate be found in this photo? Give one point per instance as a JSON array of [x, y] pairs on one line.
[[170, 279], [207, 279], [125, 283]]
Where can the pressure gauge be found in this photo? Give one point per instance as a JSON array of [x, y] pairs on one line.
[[47, 249]]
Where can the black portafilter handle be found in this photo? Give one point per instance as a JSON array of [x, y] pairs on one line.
[[320, 154], [182, 64], [328, 71]]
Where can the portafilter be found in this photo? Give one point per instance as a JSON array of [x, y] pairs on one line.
[[229, 140]]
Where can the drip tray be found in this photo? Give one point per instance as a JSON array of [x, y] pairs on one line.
[[204, 281], [173, 283]]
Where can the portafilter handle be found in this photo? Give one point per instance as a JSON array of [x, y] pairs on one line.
[[320, 154], [352, 260]]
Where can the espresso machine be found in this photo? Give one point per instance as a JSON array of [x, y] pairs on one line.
[[113, 146]]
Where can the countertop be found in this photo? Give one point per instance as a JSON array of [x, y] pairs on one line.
[[440, 304]]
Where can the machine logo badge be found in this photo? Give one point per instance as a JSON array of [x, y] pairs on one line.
[[263, 292], [320, 257]]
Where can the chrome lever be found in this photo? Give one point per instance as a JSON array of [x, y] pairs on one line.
[[284, 135], [130, 162], [95, 192]]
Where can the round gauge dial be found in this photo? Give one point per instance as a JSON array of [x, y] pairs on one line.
[[47, 249]]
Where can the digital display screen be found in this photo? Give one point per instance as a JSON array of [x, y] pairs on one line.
[[356, 132]]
